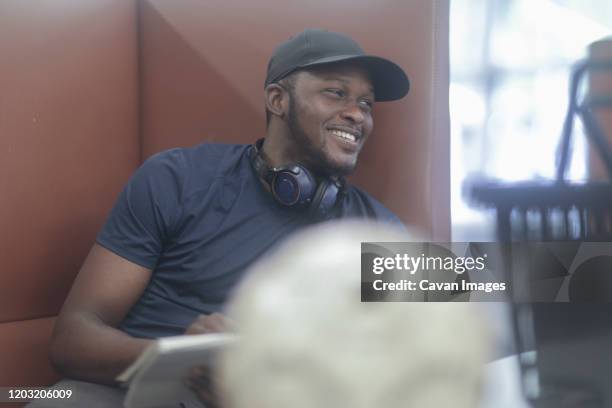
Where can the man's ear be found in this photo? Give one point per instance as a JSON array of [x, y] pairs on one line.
[[277, 100]]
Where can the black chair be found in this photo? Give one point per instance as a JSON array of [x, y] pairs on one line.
[[572, 362]]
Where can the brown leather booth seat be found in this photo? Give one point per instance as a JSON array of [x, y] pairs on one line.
[[68, 142], [90, 89]]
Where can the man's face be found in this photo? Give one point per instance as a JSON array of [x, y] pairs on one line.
[[330, 117]]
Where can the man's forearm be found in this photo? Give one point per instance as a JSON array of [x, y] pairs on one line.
[[85, 348]]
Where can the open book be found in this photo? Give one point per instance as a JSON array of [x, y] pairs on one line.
[[156, 378]]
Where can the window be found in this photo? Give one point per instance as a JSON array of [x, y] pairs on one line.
[[510, 63]]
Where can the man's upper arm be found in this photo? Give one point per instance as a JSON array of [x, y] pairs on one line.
[[118, 268], [106, 287], [86, 343]]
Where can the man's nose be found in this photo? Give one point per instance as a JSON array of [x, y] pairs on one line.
[[352, 112]]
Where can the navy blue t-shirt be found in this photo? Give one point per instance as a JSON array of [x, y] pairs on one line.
[[198, 218]]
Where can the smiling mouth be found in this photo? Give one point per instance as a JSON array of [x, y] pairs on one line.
[[345, 135]]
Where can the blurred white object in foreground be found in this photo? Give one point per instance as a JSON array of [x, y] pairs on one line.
[[308, 341]]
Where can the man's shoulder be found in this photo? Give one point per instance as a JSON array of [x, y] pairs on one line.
[[189, 170], [359, 203], [203, 154], [206, 160]]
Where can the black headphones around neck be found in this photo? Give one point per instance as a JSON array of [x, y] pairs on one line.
[[294, 186]]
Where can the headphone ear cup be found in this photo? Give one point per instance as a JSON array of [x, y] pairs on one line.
[[293, 186], [325, 198]]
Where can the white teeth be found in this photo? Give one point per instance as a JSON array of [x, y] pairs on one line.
[[344, 135]]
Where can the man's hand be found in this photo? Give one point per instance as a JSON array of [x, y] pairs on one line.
[[202, 382], [212, 323], [201, 378]]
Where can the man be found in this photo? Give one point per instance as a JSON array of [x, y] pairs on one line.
[[190, 221]]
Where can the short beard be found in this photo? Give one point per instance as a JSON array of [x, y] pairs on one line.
[[312, 156]]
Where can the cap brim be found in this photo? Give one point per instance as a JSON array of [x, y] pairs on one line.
[[389, 79]]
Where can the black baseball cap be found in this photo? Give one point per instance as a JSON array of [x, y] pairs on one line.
[[314, 47]]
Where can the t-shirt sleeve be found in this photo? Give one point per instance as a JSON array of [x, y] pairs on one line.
[[146, 211]]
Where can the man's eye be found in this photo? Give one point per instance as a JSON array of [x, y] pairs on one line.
[[367, 104], [336, 92]]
